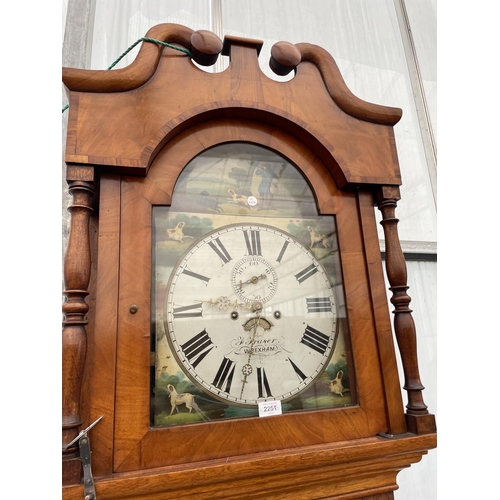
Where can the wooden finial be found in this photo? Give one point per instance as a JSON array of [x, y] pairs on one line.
[[205, 47], [284, 58]]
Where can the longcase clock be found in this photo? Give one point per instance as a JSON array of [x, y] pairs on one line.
[[226, 316]]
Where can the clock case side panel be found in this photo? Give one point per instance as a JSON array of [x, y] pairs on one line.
[[381, 314], [98, 387], [138, 446], [368, 312]]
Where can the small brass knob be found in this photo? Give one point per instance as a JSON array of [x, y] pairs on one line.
[[133, 309]]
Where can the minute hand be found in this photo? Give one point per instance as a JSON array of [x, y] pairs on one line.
[[247, 369]]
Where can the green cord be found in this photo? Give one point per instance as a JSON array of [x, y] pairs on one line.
[[153, 41], [144, 39]]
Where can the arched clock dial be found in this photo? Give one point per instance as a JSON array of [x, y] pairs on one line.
[[250, 314]]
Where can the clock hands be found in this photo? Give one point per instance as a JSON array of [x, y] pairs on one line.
[[223, 303], [253, 280]]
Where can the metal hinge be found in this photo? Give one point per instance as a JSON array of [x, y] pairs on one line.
[[85, 454]]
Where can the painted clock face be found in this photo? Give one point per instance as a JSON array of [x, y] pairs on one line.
[[250, 314]]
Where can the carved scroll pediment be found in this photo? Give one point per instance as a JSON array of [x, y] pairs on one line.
[[121, 118]]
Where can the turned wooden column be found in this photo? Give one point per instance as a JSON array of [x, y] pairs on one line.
[[74, 336], [418, 419]]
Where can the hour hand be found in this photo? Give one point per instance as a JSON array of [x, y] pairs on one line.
[[223, 303]]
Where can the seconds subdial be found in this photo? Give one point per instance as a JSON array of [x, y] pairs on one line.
[[254, 278]]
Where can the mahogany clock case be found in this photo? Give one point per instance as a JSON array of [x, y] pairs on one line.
[[131, 134]]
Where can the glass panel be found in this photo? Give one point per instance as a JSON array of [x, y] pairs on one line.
[[256, 180], [422, 15], [64, 15], [248, 302]]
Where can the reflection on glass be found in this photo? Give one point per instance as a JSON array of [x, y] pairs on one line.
[[248, 302], [243, 179]]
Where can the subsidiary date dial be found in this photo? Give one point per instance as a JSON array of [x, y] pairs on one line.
[[274, 347]]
